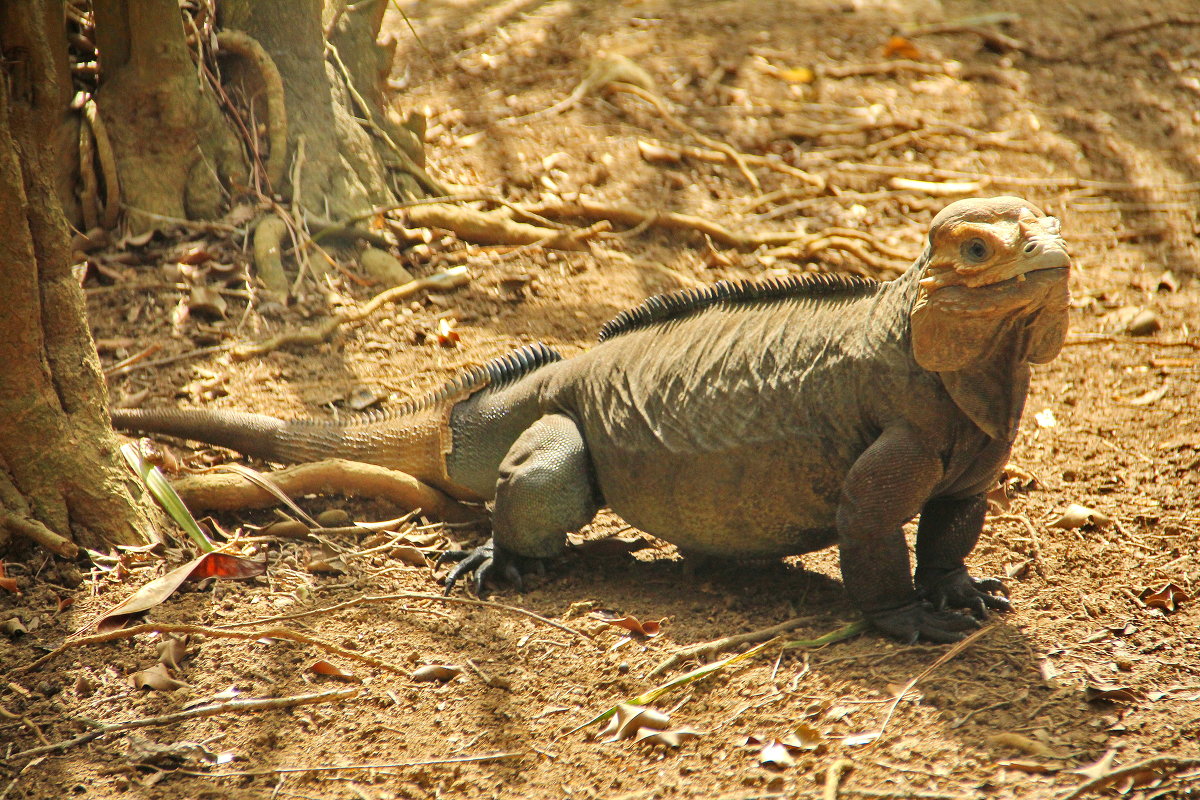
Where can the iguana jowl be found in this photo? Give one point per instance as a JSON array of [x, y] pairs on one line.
[[749, 419]]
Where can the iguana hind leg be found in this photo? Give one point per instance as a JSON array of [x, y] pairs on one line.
[[546, 489]]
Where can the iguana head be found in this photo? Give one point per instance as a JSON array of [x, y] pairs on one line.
[[993, 295]]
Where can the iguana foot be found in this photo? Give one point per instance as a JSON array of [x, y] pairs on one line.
[[921, 621], [483, 561], [957, 589]]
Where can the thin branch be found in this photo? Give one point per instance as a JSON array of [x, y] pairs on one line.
[[208, 710], [1156, 763], [374, 765], [216, 633]]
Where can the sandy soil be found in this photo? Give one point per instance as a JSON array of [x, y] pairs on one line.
[[1084, 110]]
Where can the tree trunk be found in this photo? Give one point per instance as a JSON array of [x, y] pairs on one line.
[[353, 156], [175, 153], [62, 482]]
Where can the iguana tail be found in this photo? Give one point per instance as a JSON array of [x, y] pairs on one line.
[[414, 437]]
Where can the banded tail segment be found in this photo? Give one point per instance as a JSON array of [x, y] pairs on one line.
[[412, 437]]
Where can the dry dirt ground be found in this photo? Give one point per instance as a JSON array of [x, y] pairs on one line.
[[1090, 109]]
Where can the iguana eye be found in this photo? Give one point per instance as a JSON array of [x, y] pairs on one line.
[[975, 250]]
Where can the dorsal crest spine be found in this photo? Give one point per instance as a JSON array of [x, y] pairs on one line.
[[674, 305]]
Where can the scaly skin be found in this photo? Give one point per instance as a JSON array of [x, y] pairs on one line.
[[825, 414]]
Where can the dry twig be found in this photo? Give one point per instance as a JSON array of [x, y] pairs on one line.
[[207, 710], [217, 633], [442, 281], [1157, 763], [708, 649]]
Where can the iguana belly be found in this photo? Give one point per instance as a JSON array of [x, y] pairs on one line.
[[758, 500]]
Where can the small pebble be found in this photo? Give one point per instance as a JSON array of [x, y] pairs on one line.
[[1145, 323]]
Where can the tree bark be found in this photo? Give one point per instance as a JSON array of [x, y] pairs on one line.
[[175, 153], [60, 470]]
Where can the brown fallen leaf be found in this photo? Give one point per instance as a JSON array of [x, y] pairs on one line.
[[668, 738], [629, 719], [776, 756], [323, 667], [1094, 692], [409, 555], [1167, 599], [6, 582], [158, 678], [899, 47], [1016, 741], [209, 565], [1077, 516], [1022, 765], [435, 672], [634, 625], [447, 336], [804, 737], [171, 650]]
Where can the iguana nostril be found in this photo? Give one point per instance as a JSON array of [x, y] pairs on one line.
[[1029, 248]]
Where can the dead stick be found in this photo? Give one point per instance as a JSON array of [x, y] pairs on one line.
[[336, 767], [323, 610], [209, 710], [216, 633], [728, 643], [442, 281], [650, 97], [833, 777], [1154, 763], [945, 657]]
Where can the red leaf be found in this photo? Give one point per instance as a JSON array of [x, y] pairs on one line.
[[209, 565], [6, 582], [635, 625], [323, 667]]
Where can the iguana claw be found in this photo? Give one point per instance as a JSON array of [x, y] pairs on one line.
[[921, 621], [957, 589], [482, 561]]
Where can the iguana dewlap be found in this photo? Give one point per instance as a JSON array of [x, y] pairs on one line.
[[749, 419]]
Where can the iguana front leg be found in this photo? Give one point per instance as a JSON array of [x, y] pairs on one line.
[[546, 489], [946, 535], [885, 488]]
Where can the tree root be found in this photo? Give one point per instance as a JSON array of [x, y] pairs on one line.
[[37, 532], [442, 281], [1154, 764], [89, 192], [108, 165], [232, 491], [268, 256], [495, 227], [244, 45]]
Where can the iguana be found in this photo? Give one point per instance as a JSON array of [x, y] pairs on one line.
[[748, 420]]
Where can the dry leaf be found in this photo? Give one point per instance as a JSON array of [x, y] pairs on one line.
[[6, 582], [447, 336], [804, 737], [13, 627], [634, 625], [157, 678], [856, 739], [1111, 692], [776, 756], [323, 667], [656, 154], [668, 738], [1077, 516], [1167, 599], [435, 672], [209, 565], [1045, 418], [172, 650], [797, 75], [1099, 768], [899, 47], [1032, 767], [1016, 741], [629, 719], [409, 555], [1152, 396]]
